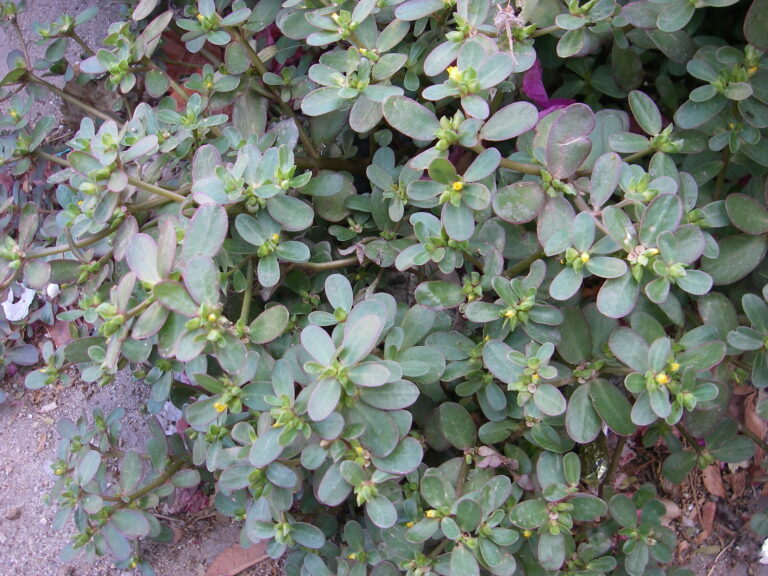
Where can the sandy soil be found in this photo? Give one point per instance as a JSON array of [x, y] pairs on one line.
[[28, 438], [43, 11]]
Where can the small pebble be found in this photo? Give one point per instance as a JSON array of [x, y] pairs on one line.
[[13, 513]]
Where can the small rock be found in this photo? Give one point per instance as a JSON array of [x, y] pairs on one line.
[[13, 513]]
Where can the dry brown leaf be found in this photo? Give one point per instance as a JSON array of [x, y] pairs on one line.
[[672, 512], [755, 424], [713, 481], [235, 559], [708, 518], [59, 333], [738, 482]]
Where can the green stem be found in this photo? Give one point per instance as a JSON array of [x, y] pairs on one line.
[[689, 438], [17, 29], [139, 308], [581, 204], [332, 265], [81, 43], [284, 106], [754, 437], [64, 95], [146, 186], [64, 248], [544, 31], [637, 155], [614, 465], [159, 481], [523, 265], [511, 164], [245, 310]]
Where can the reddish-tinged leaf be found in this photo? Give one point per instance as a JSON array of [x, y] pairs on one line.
[[59, 333], [235, 559]]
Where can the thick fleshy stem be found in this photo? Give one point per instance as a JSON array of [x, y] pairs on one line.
[[284, 106]]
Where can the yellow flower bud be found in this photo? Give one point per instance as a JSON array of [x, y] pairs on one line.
[[662, 378], [584, 257], [535, 377], [652, 251], [220, 407], [212, 317], [454, 74], [275, 237], [199, 17], [527, 534], [674, 367], [352, 556], [458, 186], [409, 524], [431, 513], [510, 313]]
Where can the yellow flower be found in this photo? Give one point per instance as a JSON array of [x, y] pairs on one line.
[[662, 378], [674, 367], [212, 317], [454, 74], [409, 524], [199, 17], [584, 257], [510, 313], [458, 186], [535, 377], [352, 556], [275, 237], [527, 533], [431, 513], [220, 407]]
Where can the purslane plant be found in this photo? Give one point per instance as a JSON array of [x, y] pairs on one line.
[[399, 293]]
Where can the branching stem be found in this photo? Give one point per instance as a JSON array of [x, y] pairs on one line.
[[72, 99], [284, 106]]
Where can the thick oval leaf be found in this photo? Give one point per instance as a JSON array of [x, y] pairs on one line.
[[520, 202], [206, 231], [457, 425], [269, 325], [403, 460], [510, 122], [439, 295], [410, 118], [568, 144], [662, 214], [747, 214], [612, 406], [292, 213], [738, 256], [581, 420]]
